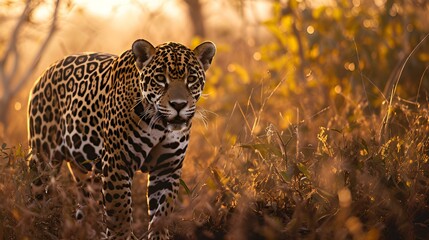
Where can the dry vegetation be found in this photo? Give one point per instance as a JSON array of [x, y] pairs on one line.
[[304, 136], [334, 180]]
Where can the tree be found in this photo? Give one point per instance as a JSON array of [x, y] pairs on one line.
[[196, 17], [11, 82]]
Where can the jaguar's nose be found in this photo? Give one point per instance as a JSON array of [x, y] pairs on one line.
[[178, 104]]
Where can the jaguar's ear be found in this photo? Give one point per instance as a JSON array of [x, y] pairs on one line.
[[143, 52], [205, 53]]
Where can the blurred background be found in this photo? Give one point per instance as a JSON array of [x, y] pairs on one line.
[[313, 125], [331, 47]]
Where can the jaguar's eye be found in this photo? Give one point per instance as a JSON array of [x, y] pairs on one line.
[[160, 79], [192, 80]]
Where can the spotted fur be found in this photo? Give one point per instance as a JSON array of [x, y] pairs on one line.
[[118, 115]]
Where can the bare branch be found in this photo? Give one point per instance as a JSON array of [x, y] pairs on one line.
[[21, 82], [15, 67], [4, 77], [15, 33]]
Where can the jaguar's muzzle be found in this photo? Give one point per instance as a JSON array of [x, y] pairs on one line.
[[177, 124]]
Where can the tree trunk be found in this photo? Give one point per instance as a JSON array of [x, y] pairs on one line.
[[4, 114], [196, 16]]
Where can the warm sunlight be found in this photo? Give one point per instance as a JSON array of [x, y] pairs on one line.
[[256, 119], [106, 8], [114, 8]]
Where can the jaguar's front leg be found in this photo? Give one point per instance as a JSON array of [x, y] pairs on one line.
[[162, 194], [163, 187], [117, 179]]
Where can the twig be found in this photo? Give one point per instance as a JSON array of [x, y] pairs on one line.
[[420, 84], [264, 102], [297, 134], [386, 118], [360, 72]]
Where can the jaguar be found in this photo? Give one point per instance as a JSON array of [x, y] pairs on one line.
[[118, 115]]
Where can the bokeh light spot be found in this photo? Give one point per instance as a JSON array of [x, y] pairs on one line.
[[310, 29], [338, 89], [231, 67], [350, 66], [257, 56], [18, 106]]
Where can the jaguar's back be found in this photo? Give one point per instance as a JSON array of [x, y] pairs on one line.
[[66, 108]]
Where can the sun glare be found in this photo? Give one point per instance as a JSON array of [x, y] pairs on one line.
[[99, 7], [107, 7]]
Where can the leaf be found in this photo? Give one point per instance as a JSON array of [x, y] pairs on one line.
[[324, 193], [303, 169], [335, 130], [288, 175], [19, 151], [188, 192], [364, 144], [264, 149]]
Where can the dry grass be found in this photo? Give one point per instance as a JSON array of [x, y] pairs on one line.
[[326, 176], [292, 145]]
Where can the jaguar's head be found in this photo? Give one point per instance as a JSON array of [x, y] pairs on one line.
[[172, 79]]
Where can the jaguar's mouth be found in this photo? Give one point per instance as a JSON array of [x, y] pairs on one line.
[[177, 124]]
